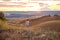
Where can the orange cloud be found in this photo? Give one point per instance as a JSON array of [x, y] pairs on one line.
[[28, 6]]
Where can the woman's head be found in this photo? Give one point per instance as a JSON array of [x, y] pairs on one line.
[[27, 19]]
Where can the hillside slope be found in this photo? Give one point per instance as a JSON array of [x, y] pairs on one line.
[[33, 21], [43, 28], [48, 26], [43, 19]]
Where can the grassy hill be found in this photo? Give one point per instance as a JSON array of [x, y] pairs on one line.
[[42, 28], [48, 26], [33, 21], [5, 26], [44, 19]]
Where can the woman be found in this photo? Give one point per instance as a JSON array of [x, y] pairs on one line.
[[27, 23]]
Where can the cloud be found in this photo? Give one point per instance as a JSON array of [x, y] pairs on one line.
[[29, 6]]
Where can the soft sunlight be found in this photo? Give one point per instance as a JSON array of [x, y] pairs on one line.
[[29, 6]]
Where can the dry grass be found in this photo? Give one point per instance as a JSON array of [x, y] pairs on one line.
[[36, 23], [43, 28], [48, 26]]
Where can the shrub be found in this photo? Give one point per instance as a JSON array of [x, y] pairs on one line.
[[2, 17]]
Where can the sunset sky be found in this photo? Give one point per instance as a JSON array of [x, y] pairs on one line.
[[28, 5]]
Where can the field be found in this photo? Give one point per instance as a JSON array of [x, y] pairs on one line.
[[41, 28]]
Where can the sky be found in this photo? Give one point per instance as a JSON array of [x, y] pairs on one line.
[[32, 7], [29, 5]]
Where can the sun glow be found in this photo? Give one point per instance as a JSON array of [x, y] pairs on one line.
[[26, 5]]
